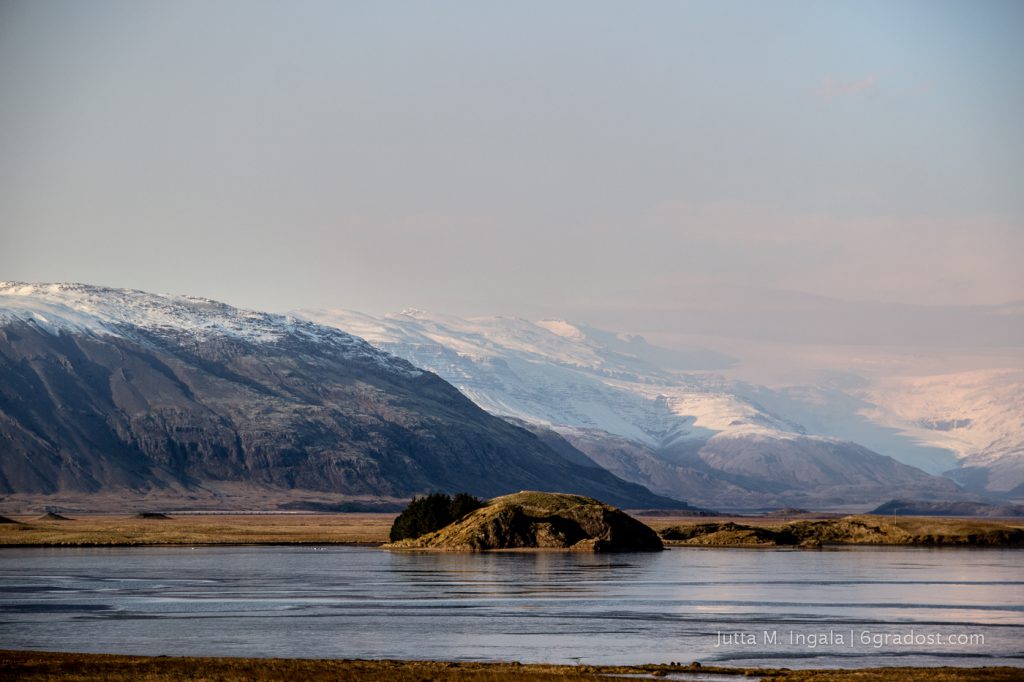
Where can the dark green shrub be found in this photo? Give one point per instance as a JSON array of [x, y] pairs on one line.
[[463, 504], [432, 512]]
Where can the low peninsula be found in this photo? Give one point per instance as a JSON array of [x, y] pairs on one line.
[[848, 530]]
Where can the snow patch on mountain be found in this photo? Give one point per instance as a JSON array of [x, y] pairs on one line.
[[939, 422], [571, 376], [977, 415], [561, 328], [558, 373], [104, 311]]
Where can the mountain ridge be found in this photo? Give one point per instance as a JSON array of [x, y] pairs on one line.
[[119, 389], [685, 433]]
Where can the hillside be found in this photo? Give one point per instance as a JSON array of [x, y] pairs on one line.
[[115, 390], [949, 508]]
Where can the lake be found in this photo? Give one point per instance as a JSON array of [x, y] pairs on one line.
[[834, 608]]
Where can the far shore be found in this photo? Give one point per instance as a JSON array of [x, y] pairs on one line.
[[36, 665], [124, 530], [371, 529]]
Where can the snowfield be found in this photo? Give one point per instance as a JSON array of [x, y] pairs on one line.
[[572, 377]]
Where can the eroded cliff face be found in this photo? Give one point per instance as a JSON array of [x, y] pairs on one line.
[[533, 520]]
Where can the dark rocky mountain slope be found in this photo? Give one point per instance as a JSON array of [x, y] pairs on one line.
[[107, 389]]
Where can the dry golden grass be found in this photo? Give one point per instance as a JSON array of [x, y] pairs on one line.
[[74, 667], [113, 530], [933, 525], [347, 528], [859, 529], [30, 665]]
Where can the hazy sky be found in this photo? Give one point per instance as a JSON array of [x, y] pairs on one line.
[[643, 164]]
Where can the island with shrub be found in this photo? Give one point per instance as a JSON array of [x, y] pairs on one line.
[[521, 521]]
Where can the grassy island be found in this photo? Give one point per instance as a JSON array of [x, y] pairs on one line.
[[535, 520]]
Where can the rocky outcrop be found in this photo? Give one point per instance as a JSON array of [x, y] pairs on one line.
[[533, 520]]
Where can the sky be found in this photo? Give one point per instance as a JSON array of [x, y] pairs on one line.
[[787, 172]]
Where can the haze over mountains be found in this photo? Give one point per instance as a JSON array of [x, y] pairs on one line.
[[655, 416], [139, 396], [119, 390]]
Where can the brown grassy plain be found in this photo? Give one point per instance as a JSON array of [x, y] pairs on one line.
[[213, 529], [372, 528], [71, 667]]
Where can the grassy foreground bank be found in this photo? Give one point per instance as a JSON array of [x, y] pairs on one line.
[[33, 665]]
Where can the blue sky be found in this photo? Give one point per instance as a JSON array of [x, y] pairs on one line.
[[567, 158]]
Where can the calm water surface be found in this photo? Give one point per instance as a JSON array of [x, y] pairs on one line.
[[851, 607]]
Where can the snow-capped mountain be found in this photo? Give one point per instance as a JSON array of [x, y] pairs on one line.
[[124, 393], [977, 415], [968, 425], [558, 374], [635, 410], [83, 308]]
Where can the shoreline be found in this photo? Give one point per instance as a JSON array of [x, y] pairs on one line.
[[41, 665], [362, 529]]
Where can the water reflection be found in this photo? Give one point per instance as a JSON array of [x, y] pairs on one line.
[[672, 606]]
